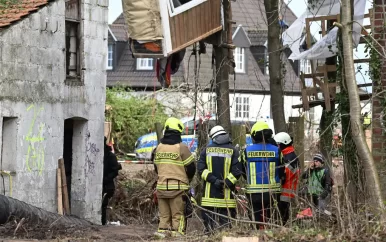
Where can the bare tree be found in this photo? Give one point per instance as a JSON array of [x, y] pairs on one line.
[[275, 65], [372, 182]]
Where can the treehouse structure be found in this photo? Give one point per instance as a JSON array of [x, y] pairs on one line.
[[159, 28], [323, 71]]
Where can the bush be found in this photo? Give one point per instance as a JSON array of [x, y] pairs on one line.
[[131, 116]]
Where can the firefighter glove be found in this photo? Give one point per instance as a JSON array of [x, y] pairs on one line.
[[219, 184]]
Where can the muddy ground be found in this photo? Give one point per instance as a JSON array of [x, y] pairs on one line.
[[126, 232], [129, 232]]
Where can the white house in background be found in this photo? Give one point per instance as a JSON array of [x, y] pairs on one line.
[[249, 88]]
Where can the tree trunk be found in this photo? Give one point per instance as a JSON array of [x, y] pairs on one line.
[[275, 65], [372, 182], [10, 207], [222, 56]]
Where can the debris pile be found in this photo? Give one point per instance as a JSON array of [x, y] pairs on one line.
[[133, 199]]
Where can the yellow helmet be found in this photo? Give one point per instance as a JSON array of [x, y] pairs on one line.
[[258, 127], [175, 124]]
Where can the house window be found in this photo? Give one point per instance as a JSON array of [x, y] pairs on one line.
[[145, 63], [239, 60], [212, 104], [267, 63], [179, 6], [110, 57], [242, 107], [305, 66], [72, 49]]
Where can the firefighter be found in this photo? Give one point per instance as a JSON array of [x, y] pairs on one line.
[[319, 181], [175, 168], [292, 171], [263, 172], [220, 169]]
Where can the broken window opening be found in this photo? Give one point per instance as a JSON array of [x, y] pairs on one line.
[[180, 6], [72, 49], [73, 39]]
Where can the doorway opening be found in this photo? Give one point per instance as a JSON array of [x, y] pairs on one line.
[[67, 153]]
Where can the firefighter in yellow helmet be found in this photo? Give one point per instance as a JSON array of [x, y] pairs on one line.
[[263, 172], [174, 164]]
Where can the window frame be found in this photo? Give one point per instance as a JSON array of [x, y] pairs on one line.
[[147, 68], [236, 55], [266, 66], [108, 66], [173, 11], [212, 103], [242, 108]]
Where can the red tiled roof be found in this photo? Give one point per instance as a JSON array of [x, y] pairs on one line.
[[14, 10]]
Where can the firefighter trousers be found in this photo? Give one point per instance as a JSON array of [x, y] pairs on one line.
[[264, 205], [284, 208], [210, 218], [171, 214]]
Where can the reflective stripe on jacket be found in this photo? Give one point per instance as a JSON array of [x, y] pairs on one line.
[[291, 176], [170, 161], [262, 161], [219, 162]]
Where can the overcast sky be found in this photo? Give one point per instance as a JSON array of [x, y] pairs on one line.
[[115, 8]]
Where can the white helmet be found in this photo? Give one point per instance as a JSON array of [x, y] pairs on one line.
[[216, 130], [282, 138]]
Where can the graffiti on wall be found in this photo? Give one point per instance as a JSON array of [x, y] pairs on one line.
[[35, 153], [91, 154]]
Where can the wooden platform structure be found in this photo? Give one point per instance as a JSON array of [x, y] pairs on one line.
[[319, 74]]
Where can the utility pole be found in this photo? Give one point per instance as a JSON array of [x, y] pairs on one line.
[[223, 51]]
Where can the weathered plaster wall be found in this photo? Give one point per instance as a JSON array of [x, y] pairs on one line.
[[33, 91]]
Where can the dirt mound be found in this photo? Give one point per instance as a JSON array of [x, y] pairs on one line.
[[133, 199]]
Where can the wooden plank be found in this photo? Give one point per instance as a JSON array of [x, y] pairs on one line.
[[308, 33], [189, 21], [320, 18], [147, 55], [313, 75], [66, 201], [330, 68], [172, 32], [315, 103], [59, 187], [323, 27], [362, 61], [196, 40], [200, 21], [365, 85]]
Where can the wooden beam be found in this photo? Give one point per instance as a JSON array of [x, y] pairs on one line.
[[315, 103], [320, 18], [59, 187], [365, 85], [330, 68], [66, 201], [362, 61]]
